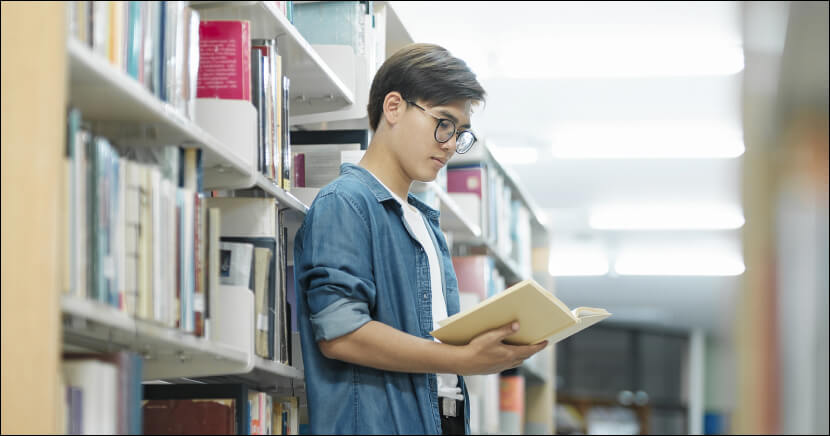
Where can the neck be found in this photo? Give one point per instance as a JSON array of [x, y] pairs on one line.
[[380, 162]]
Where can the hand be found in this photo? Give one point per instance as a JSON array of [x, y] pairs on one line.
[[487, 354]]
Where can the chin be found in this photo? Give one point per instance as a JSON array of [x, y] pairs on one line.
[[426, 177]]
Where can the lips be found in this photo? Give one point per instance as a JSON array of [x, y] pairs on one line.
[[443, 161]]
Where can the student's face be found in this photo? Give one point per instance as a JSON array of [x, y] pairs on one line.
[[420, 153]]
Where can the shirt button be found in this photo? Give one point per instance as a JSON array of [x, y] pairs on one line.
[[426, 296]]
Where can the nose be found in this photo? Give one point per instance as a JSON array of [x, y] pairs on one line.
[[450, 145]]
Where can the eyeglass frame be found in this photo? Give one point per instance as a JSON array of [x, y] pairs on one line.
[[455, 133]]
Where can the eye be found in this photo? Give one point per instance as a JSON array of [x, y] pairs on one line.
[[445, 124]]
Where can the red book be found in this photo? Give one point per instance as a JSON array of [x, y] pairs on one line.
[[472, 273], [299, 170], [512, 395], [189, 416], [224, 60], [466, 180]]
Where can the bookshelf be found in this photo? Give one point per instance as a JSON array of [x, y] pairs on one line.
[[312, 78], [118, 106], [135, 116]]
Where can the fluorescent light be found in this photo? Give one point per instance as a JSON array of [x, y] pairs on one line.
[[666, 217], [551, 57], [648, 140], [515, 155], [679, 263], [576, 260]]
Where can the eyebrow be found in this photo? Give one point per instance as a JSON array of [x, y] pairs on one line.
[[447, 114]]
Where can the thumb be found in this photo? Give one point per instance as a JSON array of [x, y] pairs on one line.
[[506, 330]]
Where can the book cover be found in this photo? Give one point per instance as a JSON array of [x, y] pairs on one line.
[[224, 60], [236, 260], [98, 382], [466, 180], [214, 222], [298, 171], [262, 261], [540, 315], [190, 416], [191, 394], [511, 403], [473, 274]]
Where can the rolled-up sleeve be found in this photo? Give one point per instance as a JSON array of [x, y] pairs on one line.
[[334, 267]]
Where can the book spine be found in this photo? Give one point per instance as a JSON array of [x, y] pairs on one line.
[[286, 143], [198, 260], [134, 39], [298, 170], [257, 100]]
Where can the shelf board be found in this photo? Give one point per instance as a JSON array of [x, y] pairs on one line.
[[266, 376], [270, 368], [285, 199], [167, 352], [312, 80]]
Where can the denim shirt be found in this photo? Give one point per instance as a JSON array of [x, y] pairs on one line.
[[355, 261]]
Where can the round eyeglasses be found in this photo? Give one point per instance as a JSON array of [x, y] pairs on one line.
[[446, 129]]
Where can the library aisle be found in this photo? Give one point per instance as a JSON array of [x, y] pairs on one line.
[[657, 170]]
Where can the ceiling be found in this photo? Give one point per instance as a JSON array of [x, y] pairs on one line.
[[527, 111]]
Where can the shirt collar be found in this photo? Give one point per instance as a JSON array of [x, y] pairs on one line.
[[381, 193]]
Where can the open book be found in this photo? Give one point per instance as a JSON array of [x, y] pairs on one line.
[[540, 315]]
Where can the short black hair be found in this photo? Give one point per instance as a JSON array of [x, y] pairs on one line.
[[425, 72]]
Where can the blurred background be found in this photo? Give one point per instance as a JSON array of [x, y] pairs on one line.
[[679, 153]]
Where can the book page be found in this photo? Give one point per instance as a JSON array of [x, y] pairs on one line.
[[581, 312]]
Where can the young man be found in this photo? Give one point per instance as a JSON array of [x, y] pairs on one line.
[[373, 273]]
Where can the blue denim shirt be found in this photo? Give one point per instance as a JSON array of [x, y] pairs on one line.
[[355, 261]]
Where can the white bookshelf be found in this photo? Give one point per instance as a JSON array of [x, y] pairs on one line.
[[348, 64], [120, 107], [312, 79], [482, 153]]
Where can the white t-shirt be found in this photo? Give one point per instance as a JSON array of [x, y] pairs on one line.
[[447, 383]]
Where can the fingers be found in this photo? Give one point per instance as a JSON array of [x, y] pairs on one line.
[[529, 350], [506, 330]]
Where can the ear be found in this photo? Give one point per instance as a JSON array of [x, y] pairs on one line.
[[393, 107]]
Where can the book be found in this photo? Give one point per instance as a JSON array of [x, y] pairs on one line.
[[236, 260], [255, 221], [258, 100], [224, 60], [227, 411], [127, 389], [540, 315], [190, 416], [262, 258], [511, 404], [98, 382]]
